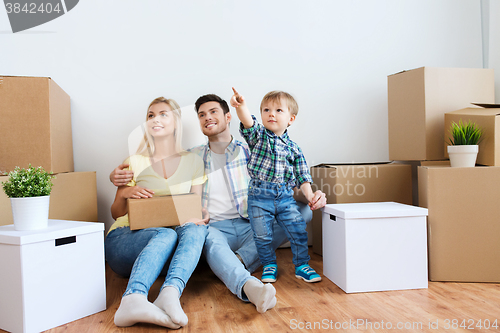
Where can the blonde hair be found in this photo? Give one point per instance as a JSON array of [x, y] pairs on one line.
[[277, 96], [147, 147]]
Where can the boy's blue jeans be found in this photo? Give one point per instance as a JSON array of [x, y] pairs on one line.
[[144, 254], [227, 237], [268, 202]]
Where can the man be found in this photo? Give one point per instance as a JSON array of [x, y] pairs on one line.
[[230, 248]]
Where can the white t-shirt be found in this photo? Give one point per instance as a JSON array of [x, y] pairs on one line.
[[220, 201]]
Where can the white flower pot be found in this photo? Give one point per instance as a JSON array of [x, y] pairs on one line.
[[463, 156], [30, 213]]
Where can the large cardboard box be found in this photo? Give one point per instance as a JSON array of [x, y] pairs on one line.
[[347, 183], [73, 197], [163, 211], [414, 174], [36, 124], [51, 276], [375, 246], [418, 100], [486, 118], [463, 222]]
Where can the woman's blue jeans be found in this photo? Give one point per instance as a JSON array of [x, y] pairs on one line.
[[145, 254], [269, 202]]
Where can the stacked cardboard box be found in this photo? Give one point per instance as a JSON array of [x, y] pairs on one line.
[[488, 119], [463, 222], [36, 129], [352, 183], [36, 124], [418, 100], [73, 198], [462, 202]]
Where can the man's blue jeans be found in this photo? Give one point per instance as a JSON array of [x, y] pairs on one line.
[[145, 254], [269, 202]]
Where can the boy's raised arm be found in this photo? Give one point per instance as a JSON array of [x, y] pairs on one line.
[[238, 102]]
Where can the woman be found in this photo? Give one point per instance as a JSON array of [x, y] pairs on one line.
[[162, 167]]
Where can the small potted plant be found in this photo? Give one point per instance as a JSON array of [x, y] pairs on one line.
[[464, 143], [29, 192]]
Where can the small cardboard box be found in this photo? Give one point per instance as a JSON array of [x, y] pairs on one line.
[[487, 119], [51, 276], [73, 197], [348, 183], [163, 211], [418, 100], [36, 124], [463, 222], [375, 246]]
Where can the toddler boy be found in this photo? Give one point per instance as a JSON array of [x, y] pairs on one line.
[[276, 166]]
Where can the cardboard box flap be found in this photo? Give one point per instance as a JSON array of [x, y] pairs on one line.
[[476, 112], [333, 165], [370, 210], [2, 76], [407, 70], [424, 68], [487, 105]]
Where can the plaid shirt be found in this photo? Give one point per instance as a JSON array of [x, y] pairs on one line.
[[237, 156], [275, 159]]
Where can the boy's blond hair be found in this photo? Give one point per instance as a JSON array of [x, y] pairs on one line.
[[277, 96]]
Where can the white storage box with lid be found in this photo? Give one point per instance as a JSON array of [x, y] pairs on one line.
[[375, 246], [51, 276]]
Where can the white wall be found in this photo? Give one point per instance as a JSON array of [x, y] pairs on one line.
[[493, 43], [114, 57]]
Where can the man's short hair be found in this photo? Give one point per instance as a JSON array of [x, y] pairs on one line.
[[211, 98]]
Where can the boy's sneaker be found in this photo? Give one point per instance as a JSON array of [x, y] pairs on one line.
[[270, 273], [306, 273]]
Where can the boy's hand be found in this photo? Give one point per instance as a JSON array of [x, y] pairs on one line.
[[318, 200], [237, 99], [315, 200], [238, 102], [120, 177]]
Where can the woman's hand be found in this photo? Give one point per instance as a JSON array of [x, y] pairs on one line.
[[136, 192], [119, 206]]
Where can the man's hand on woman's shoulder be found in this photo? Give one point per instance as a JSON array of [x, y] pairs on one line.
[[120, 177]]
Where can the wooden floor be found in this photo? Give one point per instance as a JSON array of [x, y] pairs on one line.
[[317, 307]]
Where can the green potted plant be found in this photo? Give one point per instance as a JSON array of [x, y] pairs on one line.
[[464, 143], [29, 192]]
